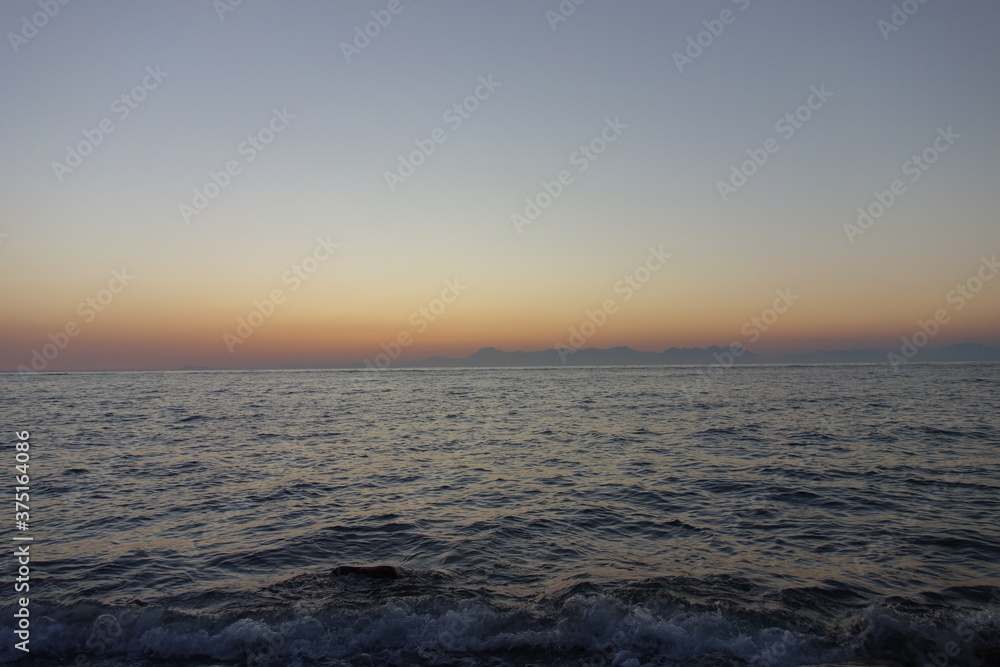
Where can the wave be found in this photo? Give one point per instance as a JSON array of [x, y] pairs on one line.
[[314, 619]]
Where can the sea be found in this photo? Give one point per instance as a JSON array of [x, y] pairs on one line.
[[773, 515]]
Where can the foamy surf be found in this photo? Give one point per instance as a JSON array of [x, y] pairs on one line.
[[307, 620]]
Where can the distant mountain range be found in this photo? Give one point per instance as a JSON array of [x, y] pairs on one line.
[[626, 356]]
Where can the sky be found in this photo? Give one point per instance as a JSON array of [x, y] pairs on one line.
[[258, 184]]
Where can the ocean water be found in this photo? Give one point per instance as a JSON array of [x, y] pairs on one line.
[[764, 515]]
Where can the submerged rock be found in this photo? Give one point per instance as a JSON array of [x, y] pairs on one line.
[[370, 571]]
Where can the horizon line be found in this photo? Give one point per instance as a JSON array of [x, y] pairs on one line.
[[395, 364]]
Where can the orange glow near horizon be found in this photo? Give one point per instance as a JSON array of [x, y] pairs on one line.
[[144, 336]]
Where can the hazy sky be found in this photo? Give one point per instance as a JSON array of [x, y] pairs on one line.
[[312, 118]]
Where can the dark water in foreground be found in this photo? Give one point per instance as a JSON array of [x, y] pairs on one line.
[[573, 516]]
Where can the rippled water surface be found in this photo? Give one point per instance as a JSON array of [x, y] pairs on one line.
[[770, 515]]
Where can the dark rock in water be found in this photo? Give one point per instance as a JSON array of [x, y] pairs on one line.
[[370, 571], [862, 663]]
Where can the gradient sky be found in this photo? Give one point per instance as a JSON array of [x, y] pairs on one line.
[[323, 176]]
